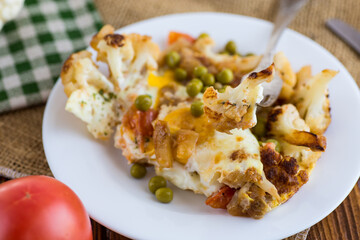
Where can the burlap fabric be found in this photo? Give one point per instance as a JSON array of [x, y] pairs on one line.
[[21, 151]]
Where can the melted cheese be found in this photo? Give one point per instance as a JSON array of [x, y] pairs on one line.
[[183, 119], [219, 158], [160, 81]]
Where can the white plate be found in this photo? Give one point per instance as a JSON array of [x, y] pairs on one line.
[[99, 174]]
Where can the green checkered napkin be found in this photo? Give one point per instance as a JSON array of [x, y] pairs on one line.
[[35, 44]]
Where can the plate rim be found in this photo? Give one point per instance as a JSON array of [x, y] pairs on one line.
[[216, 14]]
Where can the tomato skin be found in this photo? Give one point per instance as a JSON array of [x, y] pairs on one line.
[[141, 123], [41, 207], [221, 198], [174, 36]]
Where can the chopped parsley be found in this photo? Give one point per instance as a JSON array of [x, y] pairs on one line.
[[107, 97]]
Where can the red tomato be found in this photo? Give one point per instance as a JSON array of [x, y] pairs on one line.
[[221, 198], [40, 207], [174, 36]]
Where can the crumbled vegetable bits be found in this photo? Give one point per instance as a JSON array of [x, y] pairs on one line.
[[106, 96]]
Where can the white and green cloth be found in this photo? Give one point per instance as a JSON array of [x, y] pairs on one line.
[[34, 46]]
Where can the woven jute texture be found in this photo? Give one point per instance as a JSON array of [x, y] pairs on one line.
[[21, 151]]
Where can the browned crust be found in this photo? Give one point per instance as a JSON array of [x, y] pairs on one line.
[[105, 30], [263, 74], [236, 179], [238, 155], [281, 171], [273, 116], [256, 207], [212, 114], [114, 40], [67, 71], [307, 139], [252, 175]]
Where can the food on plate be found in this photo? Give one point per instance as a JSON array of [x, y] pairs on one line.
[[156, 182], [188, 112], [164, 195], [138, 170], [41, 207]]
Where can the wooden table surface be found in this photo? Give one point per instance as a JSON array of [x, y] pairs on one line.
[[343, 223]]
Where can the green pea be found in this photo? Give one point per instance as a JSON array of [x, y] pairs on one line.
[[221, 90], [194, 87], [164, 195], [204, 89], [172, 59], [208, 79], [218, 86], [277, 144], [197, 108], [156, 182], [202, 35], [230, 47], [143, 102], [259, 130], [138, 171], [180, 74], [225, 76], [249, 54], [200, 71]]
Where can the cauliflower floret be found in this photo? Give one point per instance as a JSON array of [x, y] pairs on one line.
[[94, 108], [283, 68], [126, 55], [90, 93], [305, 157], [146, 53], [9, 10], [285, 124], [79, 71], [311, 98], [236, 107]]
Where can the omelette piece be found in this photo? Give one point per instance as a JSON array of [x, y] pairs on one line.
[[291, 168], [217, 159], [236, 107]]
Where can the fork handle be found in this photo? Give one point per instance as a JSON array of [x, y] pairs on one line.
[[286, 12]]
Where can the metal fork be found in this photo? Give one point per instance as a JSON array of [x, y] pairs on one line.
[[286, 12]]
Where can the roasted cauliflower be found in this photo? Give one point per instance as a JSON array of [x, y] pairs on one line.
[[284, 122], [311, 98], [284, 70], [236, 107], [91, 94], [129, 57]]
